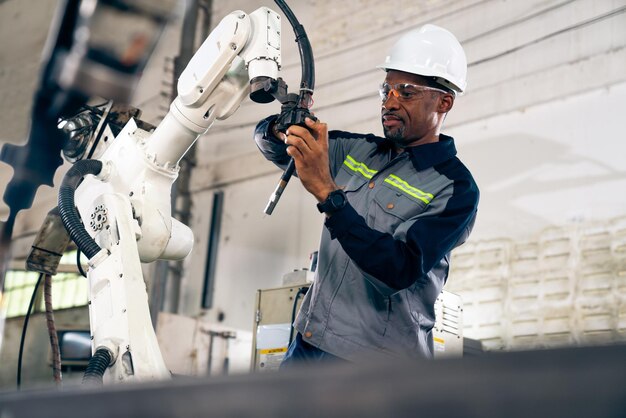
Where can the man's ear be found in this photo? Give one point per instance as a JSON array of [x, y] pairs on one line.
[[445, 103]]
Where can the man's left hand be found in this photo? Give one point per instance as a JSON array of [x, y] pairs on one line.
[[309, 149]]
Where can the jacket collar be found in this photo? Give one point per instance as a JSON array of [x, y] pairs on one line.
[[429, 155], [422, 156]]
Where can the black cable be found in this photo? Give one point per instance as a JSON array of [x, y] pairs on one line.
[[301, 291], [98, 137], [69, 214], [79, 265], [307, 80], [295, 112], [96, 367], [24, 327]]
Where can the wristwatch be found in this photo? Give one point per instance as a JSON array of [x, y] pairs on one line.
[[335, 201]]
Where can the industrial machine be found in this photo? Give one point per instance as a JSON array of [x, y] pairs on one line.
[[124, 209], [448, 338], [275, 310], [95, 48], [117, 208]]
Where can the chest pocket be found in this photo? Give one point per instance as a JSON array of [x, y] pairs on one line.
[[350, 182], [392, 207]]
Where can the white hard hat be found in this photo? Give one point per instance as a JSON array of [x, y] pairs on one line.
[[430, 51]]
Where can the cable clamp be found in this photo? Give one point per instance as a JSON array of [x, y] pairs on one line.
[[98, 258], [105, 173], [111, 347]]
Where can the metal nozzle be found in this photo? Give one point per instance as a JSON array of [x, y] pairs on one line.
[[275, 197], [282, 184]]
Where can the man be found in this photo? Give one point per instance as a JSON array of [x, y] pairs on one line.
[[395, 207]]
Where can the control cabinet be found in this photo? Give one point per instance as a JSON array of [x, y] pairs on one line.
[[275, 311]]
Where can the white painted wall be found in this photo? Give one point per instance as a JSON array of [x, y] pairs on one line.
[[255, 250], [555, 163]]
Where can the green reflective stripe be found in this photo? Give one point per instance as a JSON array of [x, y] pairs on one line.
[[395, 181], [359, 167], [398, 183]]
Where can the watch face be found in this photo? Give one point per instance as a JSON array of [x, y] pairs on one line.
[[338, 200], [335, 201]]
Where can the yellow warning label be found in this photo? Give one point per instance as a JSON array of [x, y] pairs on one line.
[[440, 344], [273, 350]]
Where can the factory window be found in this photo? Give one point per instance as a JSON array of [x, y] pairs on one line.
[[69, 288]]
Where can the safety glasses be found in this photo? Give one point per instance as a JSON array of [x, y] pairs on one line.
[[405, 92]]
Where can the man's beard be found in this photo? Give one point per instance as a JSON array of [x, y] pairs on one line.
[[395, 135]]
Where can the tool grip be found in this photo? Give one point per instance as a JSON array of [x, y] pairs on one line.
[[291, 167]]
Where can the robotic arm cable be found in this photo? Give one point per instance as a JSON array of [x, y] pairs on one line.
[[295, 107]]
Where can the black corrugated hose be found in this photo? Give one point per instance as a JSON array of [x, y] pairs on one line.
[[69, 214], [96, 367]]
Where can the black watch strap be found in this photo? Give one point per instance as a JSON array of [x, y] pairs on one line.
[[335, 201]]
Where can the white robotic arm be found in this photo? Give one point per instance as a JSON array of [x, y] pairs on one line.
[[127, 209], [217, 79]]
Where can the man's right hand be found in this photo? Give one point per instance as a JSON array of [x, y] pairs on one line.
[[308, 146]]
